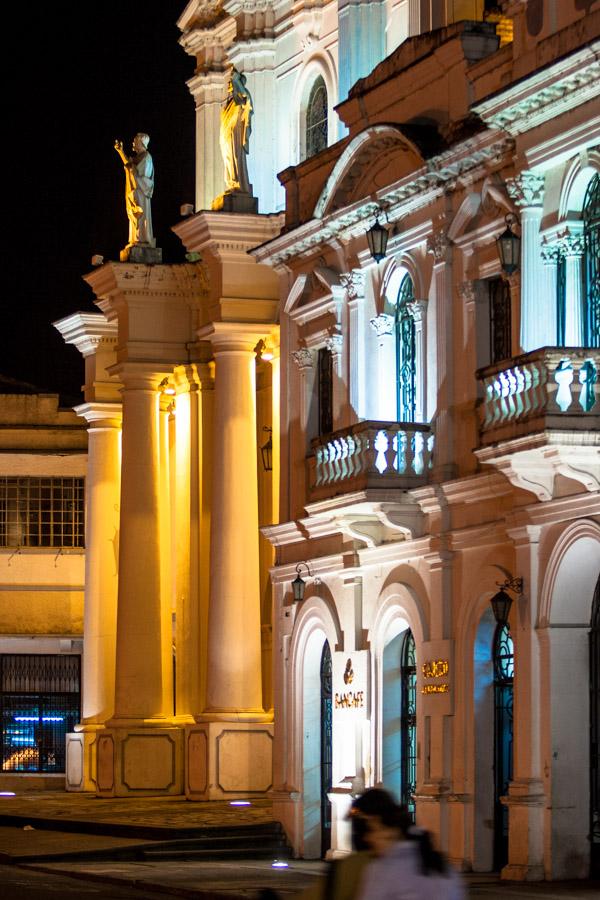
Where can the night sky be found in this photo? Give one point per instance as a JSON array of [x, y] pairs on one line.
[[85, 74]]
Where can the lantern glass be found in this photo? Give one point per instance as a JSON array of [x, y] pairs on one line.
[[509, 250], [377, 238], [501, 604], [298, 586]]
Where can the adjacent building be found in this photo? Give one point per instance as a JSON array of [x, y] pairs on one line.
[[43, 450]]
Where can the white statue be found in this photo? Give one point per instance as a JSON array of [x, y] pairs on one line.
[[234, 137], [139, 187]]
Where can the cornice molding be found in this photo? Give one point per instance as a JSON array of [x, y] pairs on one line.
[[545, 94]]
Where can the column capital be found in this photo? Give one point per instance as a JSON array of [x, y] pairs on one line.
[[334, 344], [438, 244], [234, 336], [139, 376], [353, 283], [382, 324], [467, 291], [303, 358], [526, 189], [571, 241], [417, 309], [101, 415]]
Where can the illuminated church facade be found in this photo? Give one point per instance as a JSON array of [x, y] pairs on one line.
[[316, 618]]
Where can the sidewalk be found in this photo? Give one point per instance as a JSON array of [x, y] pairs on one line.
[[98, 840]]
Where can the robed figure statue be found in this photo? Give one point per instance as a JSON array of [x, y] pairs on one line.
[[234, 137], [139, 187]]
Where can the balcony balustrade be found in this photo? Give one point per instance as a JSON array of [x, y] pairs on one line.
[[554, 388], [370, 455]]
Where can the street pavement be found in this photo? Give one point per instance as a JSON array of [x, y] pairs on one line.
[[78, 845]]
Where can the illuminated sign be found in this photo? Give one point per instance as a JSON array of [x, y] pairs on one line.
[[435, 668], [350, 700]]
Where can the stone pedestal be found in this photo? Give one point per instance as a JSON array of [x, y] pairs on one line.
[[235, 202], [139, 762], [80, 767], [141, 253], [228, 760]]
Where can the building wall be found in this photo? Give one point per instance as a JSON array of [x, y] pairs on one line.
[[389, 540]]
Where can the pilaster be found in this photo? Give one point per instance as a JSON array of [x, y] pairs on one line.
[[440, 247]]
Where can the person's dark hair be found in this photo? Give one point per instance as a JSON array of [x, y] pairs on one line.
[[380, 803]]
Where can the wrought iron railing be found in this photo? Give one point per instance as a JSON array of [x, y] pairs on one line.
[[555, 384], [371, 454]]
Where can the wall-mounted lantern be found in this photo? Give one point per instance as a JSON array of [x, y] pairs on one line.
[[509, 246], [298, 584], [266, 451], [502, 602], [377, 239]]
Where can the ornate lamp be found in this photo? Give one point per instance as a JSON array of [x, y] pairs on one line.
[[298, 584], [509, 247], [377, 238], [266, 451], [502, 602]]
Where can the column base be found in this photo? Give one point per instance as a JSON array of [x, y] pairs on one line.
[[522, 873], [138, 762], [80, 769], [228, 760]]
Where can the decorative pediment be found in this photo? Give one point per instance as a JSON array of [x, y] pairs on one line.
[[377, 157]]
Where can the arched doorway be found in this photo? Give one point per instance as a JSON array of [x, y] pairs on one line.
[[504, 666], [399, 719], [404, 329], [326, 748], [595, 736]]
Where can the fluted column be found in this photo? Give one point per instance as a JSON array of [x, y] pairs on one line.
[[234, 686], [101, 562], [537, 306], [572, 247], [143, 681]]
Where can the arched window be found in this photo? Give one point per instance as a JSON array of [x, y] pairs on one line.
[[591, 231], [316, 118], [504, 667], [595, 735], [408, 722], [326, 751], [405, 352]]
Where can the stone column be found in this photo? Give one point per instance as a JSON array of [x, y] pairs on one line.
[[418, 310], [550, 254], [101, 582], [537, 308], [526, 799], [444, 450], [208, 91], [140, 752], [354, 283], [572, 246], [231, 754]]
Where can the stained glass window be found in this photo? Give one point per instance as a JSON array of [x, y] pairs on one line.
[[408, 722], [405, 352], [316, 118], [326, 748], [504, 670], [591, 231]]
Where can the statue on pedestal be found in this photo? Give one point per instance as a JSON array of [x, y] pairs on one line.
[[234, 140], [139, 187]]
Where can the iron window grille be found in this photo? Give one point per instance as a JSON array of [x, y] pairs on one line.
[[39, 705], [325, 390], [504, 671], [500, 319], [41, 512], [326, 746]]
